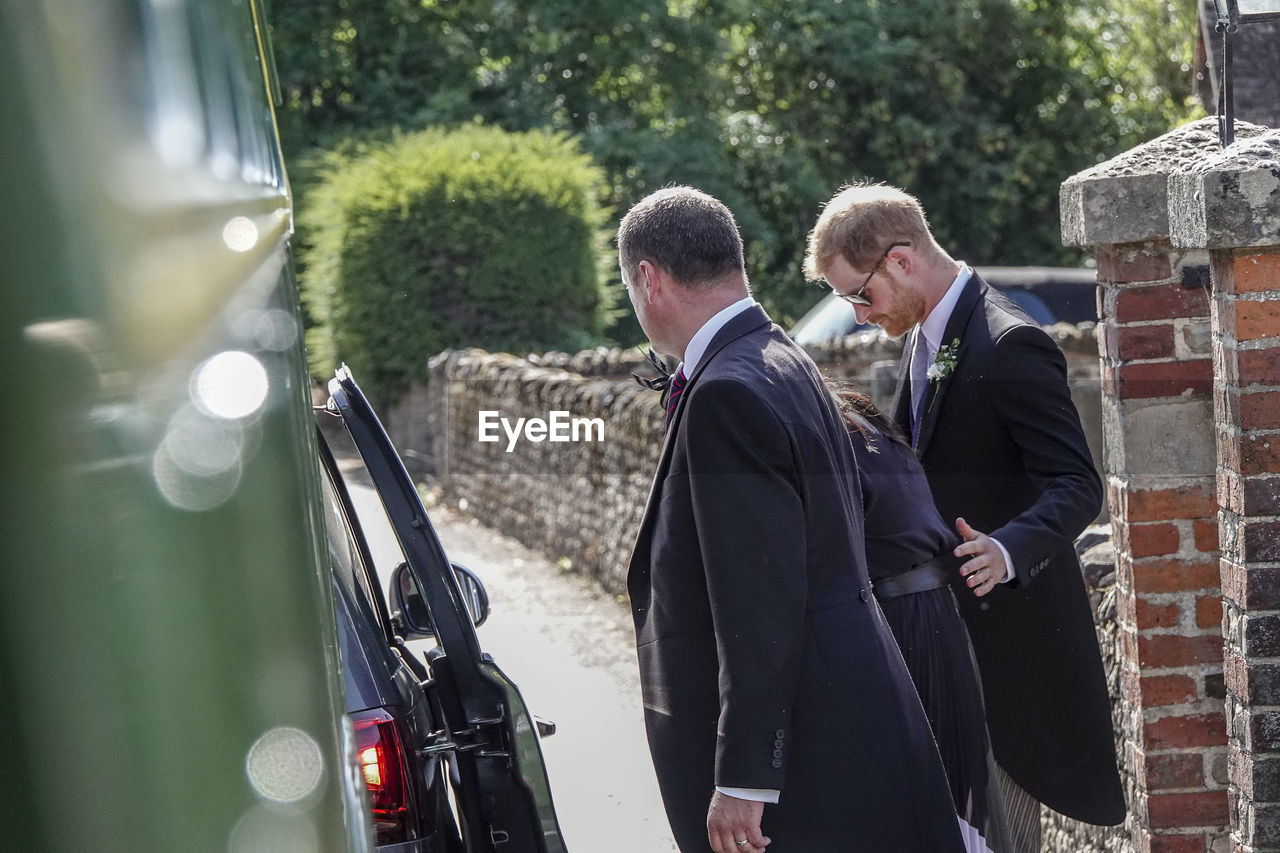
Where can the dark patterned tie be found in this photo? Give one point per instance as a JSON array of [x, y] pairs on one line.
[[676, 387], [919, 382]]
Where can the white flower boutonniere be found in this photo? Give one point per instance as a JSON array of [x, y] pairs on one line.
[[944, 364]]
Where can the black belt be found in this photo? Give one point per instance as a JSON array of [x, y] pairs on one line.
[[933, 574]]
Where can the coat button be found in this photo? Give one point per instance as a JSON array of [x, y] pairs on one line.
[[864, 595], [777, 762], [777, 753], [778, 743], [779, 734]]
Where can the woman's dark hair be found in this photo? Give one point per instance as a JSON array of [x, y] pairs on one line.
[[862, 416]]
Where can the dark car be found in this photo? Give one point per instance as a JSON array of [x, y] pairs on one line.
[[446, 748], [1047, 294]]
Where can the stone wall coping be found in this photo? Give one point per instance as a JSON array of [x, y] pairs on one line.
[[602, 361], [1125, 199], [871, 346], [616, 365]]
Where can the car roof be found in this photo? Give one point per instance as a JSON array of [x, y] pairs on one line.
[[1047, 294], [1037, 276]]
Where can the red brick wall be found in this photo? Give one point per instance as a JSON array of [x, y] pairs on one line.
[[1246, 320], [1165, 536]]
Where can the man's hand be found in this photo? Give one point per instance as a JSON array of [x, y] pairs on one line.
[[988, 566], [731, 820]]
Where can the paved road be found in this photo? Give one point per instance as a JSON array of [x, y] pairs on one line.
[[571, 649]]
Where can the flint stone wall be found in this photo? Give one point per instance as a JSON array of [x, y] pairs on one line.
[[583, 500], [577, 500], [1060, 834]]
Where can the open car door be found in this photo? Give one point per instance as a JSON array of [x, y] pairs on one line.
[[501, 790]]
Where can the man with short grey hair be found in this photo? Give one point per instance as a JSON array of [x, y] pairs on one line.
[[778, 708]]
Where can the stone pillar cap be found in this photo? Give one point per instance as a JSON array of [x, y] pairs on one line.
[[1230, 199], [1125, 199]]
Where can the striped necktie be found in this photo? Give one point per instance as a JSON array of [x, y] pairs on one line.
[[919, 382], [673, 397]]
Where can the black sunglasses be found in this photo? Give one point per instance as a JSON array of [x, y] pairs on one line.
[[856, 298]]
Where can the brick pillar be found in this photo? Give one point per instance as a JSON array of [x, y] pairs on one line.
[[1159, 458], [1231, 204], [1157, 392]]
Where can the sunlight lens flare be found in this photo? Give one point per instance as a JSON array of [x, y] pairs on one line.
[[240, 234], [230, 385]]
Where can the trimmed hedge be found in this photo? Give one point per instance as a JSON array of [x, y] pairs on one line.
[[440, 239]]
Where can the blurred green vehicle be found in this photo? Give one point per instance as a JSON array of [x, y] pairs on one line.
[[168, 666]]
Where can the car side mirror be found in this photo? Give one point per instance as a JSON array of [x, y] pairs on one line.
[[410, 616]]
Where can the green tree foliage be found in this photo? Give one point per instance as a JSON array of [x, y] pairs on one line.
[[1141, 60], [350, 66], [436, 239], [980, 107]]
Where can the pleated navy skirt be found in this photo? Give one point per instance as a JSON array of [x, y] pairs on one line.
[[935, 646]]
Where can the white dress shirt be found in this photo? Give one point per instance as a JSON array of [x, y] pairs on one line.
[[702, 338], [932, 330]]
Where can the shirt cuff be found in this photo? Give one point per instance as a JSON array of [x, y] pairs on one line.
[[759, 795], [1008, 562]]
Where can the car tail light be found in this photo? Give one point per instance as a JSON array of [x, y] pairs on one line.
[[383, 766]]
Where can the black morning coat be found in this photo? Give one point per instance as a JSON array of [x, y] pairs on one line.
[[765, 661], [1002, 446]]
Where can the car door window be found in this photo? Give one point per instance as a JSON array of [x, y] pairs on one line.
[[375, 530], [345, 556]]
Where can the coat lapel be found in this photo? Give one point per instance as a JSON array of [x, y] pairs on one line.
[[744, 323], [748, 321], [969, 301]]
